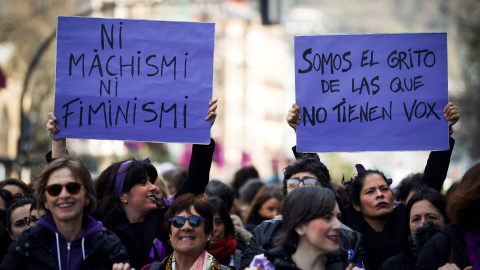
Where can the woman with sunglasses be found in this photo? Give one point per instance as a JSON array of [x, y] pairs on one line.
[[126, 197], [67, 237], [189, 222]]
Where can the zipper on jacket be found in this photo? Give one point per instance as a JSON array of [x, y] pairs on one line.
[[68, 255]]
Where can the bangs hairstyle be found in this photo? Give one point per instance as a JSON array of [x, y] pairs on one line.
[[184, 203], [307, 164], [79, 172], [135, 172], [463, 205], [355, 185], [109, 207], [219, 207], [301, 206]]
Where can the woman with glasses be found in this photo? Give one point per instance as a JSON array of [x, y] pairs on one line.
[[126, 197], [67, 237], [189, 221], [18, 217], [265, 205], [35, 214], [303, 172]]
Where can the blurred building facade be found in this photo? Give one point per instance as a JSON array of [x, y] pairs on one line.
[[253, 79], [250, 80]]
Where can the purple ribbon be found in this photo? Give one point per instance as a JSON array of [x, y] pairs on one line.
[[157, 246], [263, 261], [169, 201], [120, 179], [360, 168]]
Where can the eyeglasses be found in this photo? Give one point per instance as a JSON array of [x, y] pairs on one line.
[[31, 221], [194, 221], [307, 182], [72, 188], [26, 221]]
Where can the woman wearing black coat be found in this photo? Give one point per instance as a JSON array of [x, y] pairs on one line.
[[426, 206], [458, 243], [126, 197]]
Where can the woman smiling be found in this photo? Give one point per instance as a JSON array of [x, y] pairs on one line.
[[127, 202], [67, 237], [190, 223], [312, 231]]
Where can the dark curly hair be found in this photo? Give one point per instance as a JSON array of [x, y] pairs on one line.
[[411, 182], [307, 164]]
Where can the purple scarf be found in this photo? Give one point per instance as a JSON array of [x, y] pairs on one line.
[[473, 247]]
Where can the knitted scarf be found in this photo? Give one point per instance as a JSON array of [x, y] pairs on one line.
[[223, 249]]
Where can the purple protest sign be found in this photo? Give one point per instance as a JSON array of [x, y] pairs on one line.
[[374, 92], [138, 80]]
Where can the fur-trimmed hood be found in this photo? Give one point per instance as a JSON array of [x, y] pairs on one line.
[[425, 232]]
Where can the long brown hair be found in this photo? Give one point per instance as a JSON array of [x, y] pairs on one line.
[[264, 194], [463, 204]]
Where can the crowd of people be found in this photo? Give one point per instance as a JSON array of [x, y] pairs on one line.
[[133, 216]]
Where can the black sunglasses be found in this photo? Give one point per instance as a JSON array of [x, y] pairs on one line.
[[194, 221], [55, 189]]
